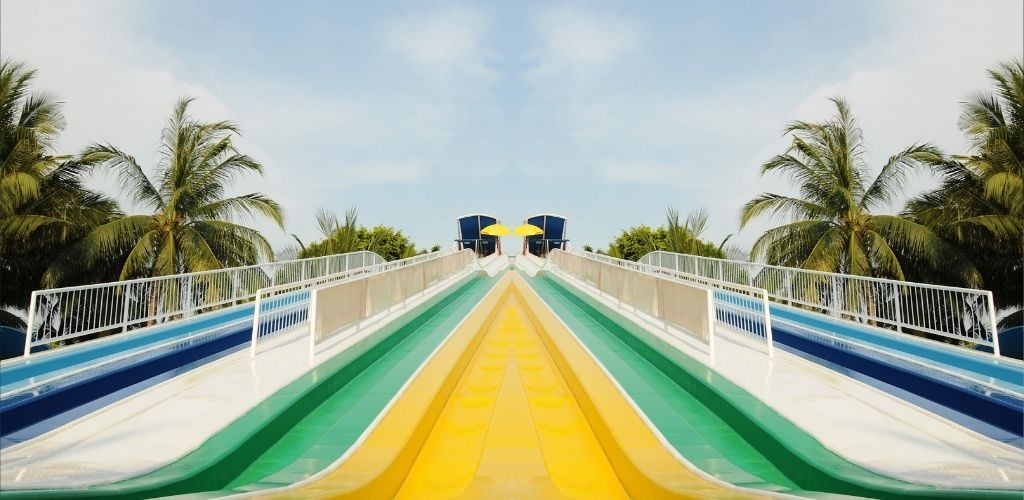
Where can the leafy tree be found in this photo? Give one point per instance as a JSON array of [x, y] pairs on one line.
[[685, 237], [190, 228], [638, 241], [44, 205], [386, 241], [348, 236], [338, 237], [833, 226], [675, 236], [979, 204]]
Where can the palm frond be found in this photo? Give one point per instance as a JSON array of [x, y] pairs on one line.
[[892, 180], [130, 175]]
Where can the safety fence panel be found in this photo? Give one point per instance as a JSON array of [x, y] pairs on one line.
[[285, 307], [642, 293], [686, 306], [743, 308], [682, 305], [963, 314], [61, 314], [338, 306], [347, 303], [613, 280]]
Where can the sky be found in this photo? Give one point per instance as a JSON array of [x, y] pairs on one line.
[[605, 112]]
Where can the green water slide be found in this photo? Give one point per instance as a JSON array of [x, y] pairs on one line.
[[713, 423], [303, 428]]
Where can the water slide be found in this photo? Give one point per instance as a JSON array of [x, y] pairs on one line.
[[728, 432], [976, 390], [44, 391], [296, 431], [499, 396], [512, 407]]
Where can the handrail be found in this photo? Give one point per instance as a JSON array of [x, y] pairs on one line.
[[61, 314], [744, 308], [283, 307], [686, 306], [963, 314], [337, 307]]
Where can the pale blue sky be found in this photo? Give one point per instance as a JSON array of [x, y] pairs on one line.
[[605, 112]]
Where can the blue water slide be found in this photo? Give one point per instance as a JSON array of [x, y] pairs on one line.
[[979, 393], [46, 390]]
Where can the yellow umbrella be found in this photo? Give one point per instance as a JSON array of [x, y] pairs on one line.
[[528, 230], [495, 230]]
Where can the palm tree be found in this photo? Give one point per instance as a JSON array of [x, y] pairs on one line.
[[834, 228], [684, 237], [191, 226], [44, 205], [979, 204]]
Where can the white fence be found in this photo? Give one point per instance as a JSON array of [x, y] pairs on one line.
[[741, 307], [962, 314], [283, 307], [683, 305], [61, 314]]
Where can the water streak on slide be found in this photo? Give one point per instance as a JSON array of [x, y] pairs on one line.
[[512, 406]]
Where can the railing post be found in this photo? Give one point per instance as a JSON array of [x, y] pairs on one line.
[[255, 325], [767, 324], [992, 321], [125, 308], [31, 325], [899, 308], [786, 283]]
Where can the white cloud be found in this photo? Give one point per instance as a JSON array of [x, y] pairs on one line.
[[443, 42], [646, 172], [113, 91], [906, 86], [376, 172], [583, 41]]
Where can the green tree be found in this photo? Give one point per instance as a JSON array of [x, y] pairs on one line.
[[348, 236], [675, 236], [638, 241], [337, 237], [44, 205], [386, 241], [833, 226], [979, 204], [685, 237], [191, 226]]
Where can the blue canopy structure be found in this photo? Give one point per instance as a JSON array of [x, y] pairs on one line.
[[470, 237], [553, 237]]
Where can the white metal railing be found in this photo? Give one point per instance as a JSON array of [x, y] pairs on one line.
[[962, 314], [61, 314], [744, 308], [284, 307]]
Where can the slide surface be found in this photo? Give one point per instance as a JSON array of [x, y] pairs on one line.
[[718, 426], [512, 407], [302, 428]]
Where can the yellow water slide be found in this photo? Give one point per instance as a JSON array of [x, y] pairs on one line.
[[511, 406]]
